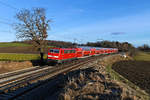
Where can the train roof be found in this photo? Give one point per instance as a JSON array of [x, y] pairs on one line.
[[97, 48], [85, 48], [64, 48]]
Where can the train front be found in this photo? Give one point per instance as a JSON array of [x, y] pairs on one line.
[[53, 55]]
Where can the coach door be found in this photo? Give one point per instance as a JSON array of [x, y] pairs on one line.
[[65, 54], [62, 54]]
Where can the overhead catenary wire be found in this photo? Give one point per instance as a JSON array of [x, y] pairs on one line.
[[4, 20], [6, 23], [8, 5]]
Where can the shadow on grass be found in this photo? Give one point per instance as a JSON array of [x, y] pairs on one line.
[[43, 63]]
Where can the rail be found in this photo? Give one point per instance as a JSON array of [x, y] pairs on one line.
[[9, 88]]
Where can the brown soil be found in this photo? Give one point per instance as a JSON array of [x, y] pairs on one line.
[[6, 66], [17, 50], [28, 49], [137, 72]]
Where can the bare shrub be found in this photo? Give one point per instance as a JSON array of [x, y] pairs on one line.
[[96, 84], [81, 77], [64, 97]]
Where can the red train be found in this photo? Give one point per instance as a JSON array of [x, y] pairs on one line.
[[60, 55]]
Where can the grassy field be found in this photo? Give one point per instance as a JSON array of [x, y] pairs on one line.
[[18, 57], [142, 56], [17, 52], [10, 44]]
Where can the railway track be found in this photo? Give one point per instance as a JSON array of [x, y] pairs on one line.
[[18, 84], [14, 73]]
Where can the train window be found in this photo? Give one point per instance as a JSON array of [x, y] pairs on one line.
[[51, 51], [69, 51], [54, 51], [65, 51], [73, 51]]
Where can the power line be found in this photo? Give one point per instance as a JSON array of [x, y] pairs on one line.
[[6, 31], [8, 5], [2, 22], [5, 19]]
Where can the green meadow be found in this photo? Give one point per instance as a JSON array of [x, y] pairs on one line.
[[142, 56], [19, 57]]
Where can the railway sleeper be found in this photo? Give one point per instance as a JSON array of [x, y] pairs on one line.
[[20, 91], [11, 95]]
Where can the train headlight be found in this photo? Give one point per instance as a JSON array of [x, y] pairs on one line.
[[52, 56]]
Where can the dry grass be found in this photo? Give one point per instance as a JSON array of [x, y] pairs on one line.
[[96, 84], [92, 87], [8, 66]]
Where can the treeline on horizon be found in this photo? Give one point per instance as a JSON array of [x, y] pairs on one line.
[[144, 47], [122, 46]]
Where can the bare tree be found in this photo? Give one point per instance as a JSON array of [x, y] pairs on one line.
[[33, 25]]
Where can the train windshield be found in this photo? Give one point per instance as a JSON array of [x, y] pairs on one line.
[[54, 51]]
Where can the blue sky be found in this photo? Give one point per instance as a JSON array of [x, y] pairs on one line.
[[85, 20]]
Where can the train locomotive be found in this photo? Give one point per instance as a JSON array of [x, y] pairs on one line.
[[60, 55]]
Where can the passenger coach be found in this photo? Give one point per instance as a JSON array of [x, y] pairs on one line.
[[60, 55]]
